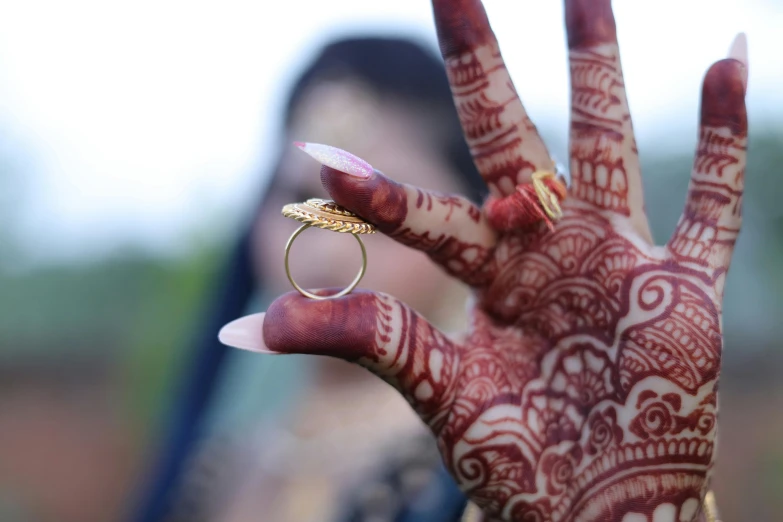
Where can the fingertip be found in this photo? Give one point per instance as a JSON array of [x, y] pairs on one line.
[[246, 333], [589, 23], [379, 199], [462, 26], [341, 327], [723, 96]]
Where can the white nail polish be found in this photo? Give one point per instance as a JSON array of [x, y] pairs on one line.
[[739, 49], [337, 159], [739, 52], [245, 333]]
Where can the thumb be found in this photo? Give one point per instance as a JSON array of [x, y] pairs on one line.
[[371, 329]]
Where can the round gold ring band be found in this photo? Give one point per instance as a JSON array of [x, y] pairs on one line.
[[329, 215], [347, 290]]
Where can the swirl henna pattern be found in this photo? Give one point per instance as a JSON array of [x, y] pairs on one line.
[[585, 388], [602, 394]]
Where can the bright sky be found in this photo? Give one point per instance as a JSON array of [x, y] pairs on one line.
[[137, 120]]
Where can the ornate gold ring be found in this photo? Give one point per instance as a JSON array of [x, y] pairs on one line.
[[329, 215]]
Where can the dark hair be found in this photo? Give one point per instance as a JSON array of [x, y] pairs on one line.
[[395, 68]]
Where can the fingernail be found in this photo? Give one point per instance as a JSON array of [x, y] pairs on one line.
[[337, 159], [245, 333], [739, 52]]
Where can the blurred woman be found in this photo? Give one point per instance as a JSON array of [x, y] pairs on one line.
[[343, 445]]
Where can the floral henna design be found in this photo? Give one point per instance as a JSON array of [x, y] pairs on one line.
[[585, 388], [598, 362], [588, 380]]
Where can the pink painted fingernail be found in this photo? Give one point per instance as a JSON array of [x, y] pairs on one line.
[[337, 159], [739, 52], [245, 333]]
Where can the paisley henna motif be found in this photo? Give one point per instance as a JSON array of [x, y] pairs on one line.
[[607, 410], [586, 386], [611, 393]]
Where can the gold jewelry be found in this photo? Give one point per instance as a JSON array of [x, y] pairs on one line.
[[472, 513], [711, 507], [322, 213], [549, 201]]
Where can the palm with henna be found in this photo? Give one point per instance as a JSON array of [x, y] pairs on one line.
[[585, 387]]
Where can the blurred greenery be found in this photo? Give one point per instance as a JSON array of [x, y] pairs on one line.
[[131, 309], [12, 191]]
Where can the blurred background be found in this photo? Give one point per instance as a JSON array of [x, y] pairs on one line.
[[137, 138]]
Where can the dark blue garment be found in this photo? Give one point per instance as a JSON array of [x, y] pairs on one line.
[[187, 413], [449, 508], [413, 487], [393, 68]]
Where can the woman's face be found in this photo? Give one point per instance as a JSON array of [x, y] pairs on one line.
[[392, 139]]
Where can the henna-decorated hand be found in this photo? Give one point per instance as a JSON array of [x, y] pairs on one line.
[[585, 387]]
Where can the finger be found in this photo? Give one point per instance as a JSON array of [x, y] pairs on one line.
[[449, 228], [710, 223], [505, 144], [604, 161], [373, 330]]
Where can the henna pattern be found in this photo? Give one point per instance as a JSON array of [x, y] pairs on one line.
[[715, 191], [466, 260], [413, 356], [598, 399], [450, 229], [710, 224], [602, 145], [503, 141], [586, 386], [375, 331], [603, 155], [611, 411]]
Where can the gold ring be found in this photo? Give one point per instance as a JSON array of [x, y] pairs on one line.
[[711, 507], [329, 215], [549, 201]]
